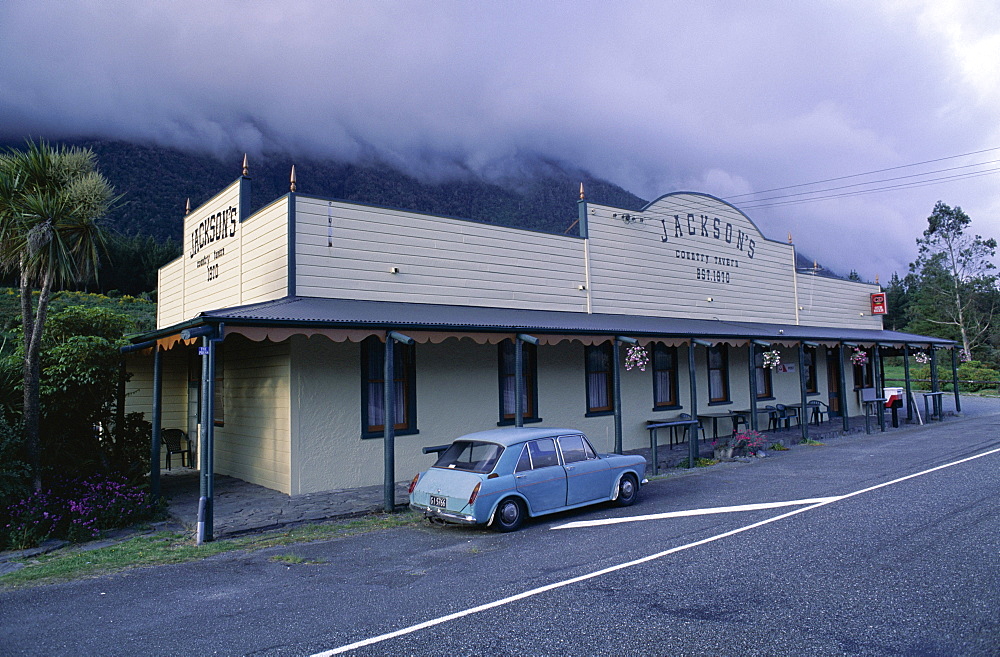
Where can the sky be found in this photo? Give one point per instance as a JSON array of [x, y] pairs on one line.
[[727, 98]]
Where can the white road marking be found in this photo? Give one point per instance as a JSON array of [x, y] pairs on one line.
[[697, 512], [629, 564]]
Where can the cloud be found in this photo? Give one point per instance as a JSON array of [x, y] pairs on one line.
[[655, 96]]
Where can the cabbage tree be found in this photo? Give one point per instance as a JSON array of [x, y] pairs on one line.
[[51, 199]]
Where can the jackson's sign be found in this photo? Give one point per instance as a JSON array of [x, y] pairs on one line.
[[711, 227], [719, 268], [212, 229]]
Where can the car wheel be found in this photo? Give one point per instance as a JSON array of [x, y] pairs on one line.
[[628, 490], [509, 515]]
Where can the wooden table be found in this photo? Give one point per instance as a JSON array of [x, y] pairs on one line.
[[654, 425], [714, 417], [745, 413], [938, 406]]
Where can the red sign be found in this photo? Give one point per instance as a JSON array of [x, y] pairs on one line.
[[878, 303]]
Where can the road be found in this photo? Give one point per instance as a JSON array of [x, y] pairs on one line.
[[883, 545]]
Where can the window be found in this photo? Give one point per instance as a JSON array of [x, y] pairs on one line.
[[471, 455], [600, 395], [718, 373], [864, 375], [537, 454], [194, 383], [373, 391], [664, 376], [575, 449], [764, 388], [809, 362], [507, 383]]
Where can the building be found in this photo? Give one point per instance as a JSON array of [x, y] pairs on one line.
[[273, 323]]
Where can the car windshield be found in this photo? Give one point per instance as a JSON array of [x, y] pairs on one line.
[[470, 455]]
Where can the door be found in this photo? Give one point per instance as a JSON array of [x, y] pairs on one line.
[[833, 366], [588, 478], [540, 477]]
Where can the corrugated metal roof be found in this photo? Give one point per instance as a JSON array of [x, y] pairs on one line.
[[345, 313]]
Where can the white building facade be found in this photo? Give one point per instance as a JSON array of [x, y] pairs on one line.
[[292, 304]]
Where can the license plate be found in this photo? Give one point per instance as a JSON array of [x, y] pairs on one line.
[[439, 501]]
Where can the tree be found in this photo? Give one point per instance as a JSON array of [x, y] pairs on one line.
[[955, 277], [131, 263], [898, 297], [50, 202]]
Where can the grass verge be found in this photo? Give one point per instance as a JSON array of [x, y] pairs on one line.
[[174, 547]]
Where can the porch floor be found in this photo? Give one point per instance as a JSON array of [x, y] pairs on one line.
[[241, 507]]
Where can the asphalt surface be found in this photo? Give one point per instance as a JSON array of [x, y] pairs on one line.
[[908, 568]]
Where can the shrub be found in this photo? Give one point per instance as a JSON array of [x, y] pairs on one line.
[[749, 440], [972, 370], [76, 510], [31, 521]]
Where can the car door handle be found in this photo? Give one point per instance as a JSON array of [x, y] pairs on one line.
[[518, 476], [570, 467]]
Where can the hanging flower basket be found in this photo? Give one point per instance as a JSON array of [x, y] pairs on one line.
[[922, 358], [636, 357], [859, 357], [771, 358]]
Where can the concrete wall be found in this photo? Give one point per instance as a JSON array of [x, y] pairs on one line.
[[254, 443], [456, 384], [293, 409]]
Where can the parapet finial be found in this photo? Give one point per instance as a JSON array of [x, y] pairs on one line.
[[187, 208], [291, 185], [246, 165], [581, 192]]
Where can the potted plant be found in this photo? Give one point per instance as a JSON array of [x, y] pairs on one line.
[[771, 359], [739, 443]]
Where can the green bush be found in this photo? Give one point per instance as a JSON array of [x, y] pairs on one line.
[[15, 476], [973, 370]]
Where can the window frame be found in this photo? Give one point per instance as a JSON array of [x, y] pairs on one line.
[[864, 375], [666, 351], [530, 373], [764, 375], [723, 351], [590, 354], [405, 368], [219, 389], [809, 361]]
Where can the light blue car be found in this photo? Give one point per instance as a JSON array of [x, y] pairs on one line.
[[499, 477]]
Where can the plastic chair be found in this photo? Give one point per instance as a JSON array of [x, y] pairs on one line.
[[817, 410], [773, 423], [176, 441], [739, 419], [786, 414]]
